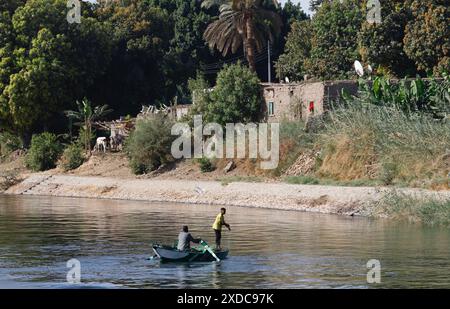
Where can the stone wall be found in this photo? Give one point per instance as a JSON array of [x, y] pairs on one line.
[[300, 101], [295, 101]]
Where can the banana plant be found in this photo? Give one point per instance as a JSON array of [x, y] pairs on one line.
[[86, 115], [410, 96]]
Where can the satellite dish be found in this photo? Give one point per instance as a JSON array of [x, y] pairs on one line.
[[287, 80], [369, 69], [359, 68]]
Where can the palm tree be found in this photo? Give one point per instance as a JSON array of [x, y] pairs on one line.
[[86, 115], [242, 22]]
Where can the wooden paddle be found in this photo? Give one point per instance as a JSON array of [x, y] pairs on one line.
[[208, 248]]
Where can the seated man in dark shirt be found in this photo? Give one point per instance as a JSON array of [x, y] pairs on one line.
[[185, 238]]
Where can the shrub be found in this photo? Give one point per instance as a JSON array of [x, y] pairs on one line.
[[9, 143], [149, 145], [72, 158], [206, 166], [44, 152], [237, 96]]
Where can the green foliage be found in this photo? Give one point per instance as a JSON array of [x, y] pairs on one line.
[[381, 45], [9, 143], [389, 172], [427, 37], [149, 145], [227, 35], [413, 37], [206, 165], [314, 180], [45, 66], [410, 96], [291, 13], [201, 97], [427, 210], [380, 142], [143, 68], [302, 180], [129, 53], [236, 97], [187, 46], [297, 52], [44, 152], [86, 115], [294, 140], [84, 139], [314, 5], [334, 45], [73, 157]]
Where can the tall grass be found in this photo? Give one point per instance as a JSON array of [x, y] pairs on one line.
[[293, 141], [425, 210], [366, 141]]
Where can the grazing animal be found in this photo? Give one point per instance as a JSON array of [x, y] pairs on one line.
[[102, 142]]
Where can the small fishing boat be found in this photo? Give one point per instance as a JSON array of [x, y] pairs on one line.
[[200, 254]]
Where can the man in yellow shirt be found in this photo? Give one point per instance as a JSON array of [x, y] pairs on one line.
[[217, 227]]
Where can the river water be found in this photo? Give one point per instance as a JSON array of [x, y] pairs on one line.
[[268, 248]]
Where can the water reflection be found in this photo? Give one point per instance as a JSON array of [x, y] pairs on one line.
[[269, 249]]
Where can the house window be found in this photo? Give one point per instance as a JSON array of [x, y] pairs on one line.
[[271, 109]]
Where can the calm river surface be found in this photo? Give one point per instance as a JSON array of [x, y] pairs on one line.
[[269, 249]]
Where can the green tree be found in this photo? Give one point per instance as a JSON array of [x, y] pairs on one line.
[[427, 37], [142, 65], [381, 45], [314, 5], [189, 23], [290, 14], [236, 97], [334, 45], [242, 22], [297, 52], [187, 48], [47, 63]]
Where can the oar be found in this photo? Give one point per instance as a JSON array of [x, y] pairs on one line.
[[208, 248]]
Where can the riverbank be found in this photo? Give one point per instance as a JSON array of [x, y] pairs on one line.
[[312, 198]]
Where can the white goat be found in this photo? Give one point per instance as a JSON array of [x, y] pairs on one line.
[[102, 142]]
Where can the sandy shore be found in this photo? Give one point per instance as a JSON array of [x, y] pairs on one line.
[[320, 199]]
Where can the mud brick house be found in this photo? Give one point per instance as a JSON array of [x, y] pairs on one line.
[[300, 100]]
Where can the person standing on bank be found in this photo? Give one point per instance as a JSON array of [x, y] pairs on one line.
[[217, 227]]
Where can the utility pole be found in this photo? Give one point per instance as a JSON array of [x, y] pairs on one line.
[[269, 68]]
